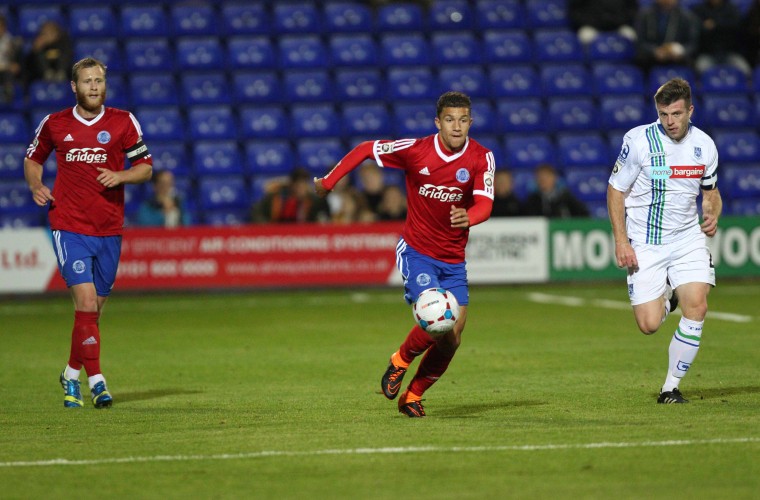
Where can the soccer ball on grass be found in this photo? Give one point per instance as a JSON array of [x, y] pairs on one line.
[[436, 311]]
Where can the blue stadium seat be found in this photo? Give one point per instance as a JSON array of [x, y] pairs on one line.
[[353, 50], [194, 19], [626, 111], [251, 52], [412, 83], [658, 75], [611, 47], [205, 88], [404, 49], [455, 48], [450, 15], [161, 123], [617, 79], [200, 53], [217, 158], [143, 20], [107, 50], [14, 128], [571, 79], [256, 86], [738, 146], [557, 45], [348, 17], [269, 157], [724, 78], [572, 114], [406, 17], [12, 160], [226, 217], [507, 47], [471, 80], [30, 18], [16, 101], [245, 19], [16, 197], [320, 155], [212, 122], [297, 17], [485, 121], [314, 120], [50, 95], [118, 93], [170, 155], [740, 182], [150, 54], [257, 122], [370, 119], [582, 150], [521, 115], [153, 89], [88, 21], [500, 15], [229, 191], [413, 120], [726, 111], [588, 184], [490, 141], [308, 86], [514, 81], [359, 84], [302, 51], [528, 151], [547, 14], [748, 207]]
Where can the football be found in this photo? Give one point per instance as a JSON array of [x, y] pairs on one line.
[[436, 311]]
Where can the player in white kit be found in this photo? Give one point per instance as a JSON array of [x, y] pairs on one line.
[[652, 202]]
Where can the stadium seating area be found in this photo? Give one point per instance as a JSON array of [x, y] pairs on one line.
[[231, 94]]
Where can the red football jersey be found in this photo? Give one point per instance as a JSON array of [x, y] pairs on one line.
[[436, 180], [83, 205]]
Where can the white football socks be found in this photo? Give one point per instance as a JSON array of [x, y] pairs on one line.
[[70, 373], [91, 381], [683, 349]]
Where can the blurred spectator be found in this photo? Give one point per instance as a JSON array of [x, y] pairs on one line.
[[589, 17], [505, 201], [372, 183], [719, 37], [51, 55], [666, 33], [750, 34], [347, 204], [164, 207], [292, 201], [10, 57], [550, 199], [392, 204]]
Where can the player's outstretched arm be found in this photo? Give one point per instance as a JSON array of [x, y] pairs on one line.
[[349, 162], [712, 207], [33, 175]]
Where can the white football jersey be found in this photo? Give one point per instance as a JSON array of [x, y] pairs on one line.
[[661, 180]]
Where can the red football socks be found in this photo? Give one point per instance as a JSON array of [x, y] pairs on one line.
[[85, 342], [415, 344], [432, 366]]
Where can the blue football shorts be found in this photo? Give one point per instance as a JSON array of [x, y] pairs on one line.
[[421, 272], [87, 259]]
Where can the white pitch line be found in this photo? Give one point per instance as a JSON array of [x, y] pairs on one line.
[[570, 301], [381, 451]]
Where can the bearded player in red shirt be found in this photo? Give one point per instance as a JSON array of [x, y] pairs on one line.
[[87, 209], [449, 185]]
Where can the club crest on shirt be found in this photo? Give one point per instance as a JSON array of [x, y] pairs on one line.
[[697, 152], [423, 279], [463, 175], [104, 137]]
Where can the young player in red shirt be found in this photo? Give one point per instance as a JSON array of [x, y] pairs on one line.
[[449, 185], [87, 209]]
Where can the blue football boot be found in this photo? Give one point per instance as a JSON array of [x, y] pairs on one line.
[[73, 395], [101, 398]]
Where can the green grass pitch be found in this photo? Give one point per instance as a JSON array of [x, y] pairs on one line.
[[276, 395]]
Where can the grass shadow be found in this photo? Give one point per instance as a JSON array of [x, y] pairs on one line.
[[127, 397], [719, 392], [474, 410]]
